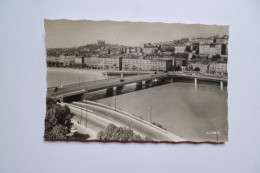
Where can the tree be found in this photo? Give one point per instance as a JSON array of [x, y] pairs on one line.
[[57, 132], [114, 133], [216, 57], [49, 103], [57, 121], [188, 49]]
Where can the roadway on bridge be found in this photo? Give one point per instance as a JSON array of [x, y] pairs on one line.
[[87, 118], [138, 126], [101, 84]]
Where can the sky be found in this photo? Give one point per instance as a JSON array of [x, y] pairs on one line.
[[71, 33]]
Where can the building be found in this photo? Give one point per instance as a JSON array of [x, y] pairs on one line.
[[201, 40], [210, 49], [79, 60], [222, 40], [110, 63], [204, 49], [203, 68], [180, 62], [67, 60], [149, 50], [179, 48], [146, 64], [221, 68], [94, 62], [214, 49]]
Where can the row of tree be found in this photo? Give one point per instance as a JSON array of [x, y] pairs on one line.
[[114, 133], [57, 120]]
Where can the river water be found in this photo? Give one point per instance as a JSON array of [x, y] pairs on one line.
[[193, 113]]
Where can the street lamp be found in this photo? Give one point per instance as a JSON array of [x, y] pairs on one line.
[[115, 100], [80, 115], [86, 117], [60, 84], [150, 110]]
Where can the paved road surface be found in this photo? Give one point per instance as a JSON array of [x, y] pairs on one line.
[[134, 124], [101, 84]]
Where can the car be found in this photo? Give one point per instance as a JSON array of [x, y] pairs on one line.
[[155, 72], [122, 80], [55, 89], [151, 75]]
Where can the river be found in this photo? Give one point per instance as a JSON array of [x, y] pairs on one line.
[[193, 113]]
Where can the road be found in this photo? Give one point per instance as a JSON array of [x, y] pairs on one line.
[[135, 124], [93, 122], [101, 84]]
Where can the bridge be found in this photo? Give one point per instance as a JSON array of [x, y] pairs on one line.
[[97, 116], [80, 90]]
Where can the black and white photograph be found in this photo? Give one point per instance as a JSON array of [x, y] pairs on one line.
[[136, 81], [136, 86]]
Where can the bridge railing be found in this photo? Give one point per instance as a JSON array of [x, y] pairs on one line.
[[127, 114], [95, 81]]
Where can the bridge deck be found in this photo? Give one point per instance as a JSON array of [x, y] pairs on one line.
[[75, 89]]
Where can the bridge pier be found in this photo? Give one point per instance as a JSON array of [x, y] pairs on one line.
[[139, 85], [84, 96], [109, 91], [195, 82], [148, 83], [119, 89], [221, 85]]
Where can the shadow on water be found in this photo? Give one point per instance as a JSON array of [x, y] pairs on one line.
[[127, 89], [132, 88]]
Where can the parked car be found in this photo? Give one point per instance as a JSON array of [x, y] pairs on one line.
[[122, 80]]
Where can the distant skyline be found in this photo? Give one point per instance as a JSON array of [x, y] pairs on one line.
[[72, 33]]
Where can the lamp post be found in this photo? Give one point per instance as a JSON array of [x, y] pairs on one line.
[[150, 110], [80, 115], [60, 84], [79, 80], [86, 117], [115, 100]]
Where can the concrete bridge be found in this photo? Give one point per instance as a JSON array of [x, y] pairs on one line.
[[97, 113], [79, 90], [126, 73]]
